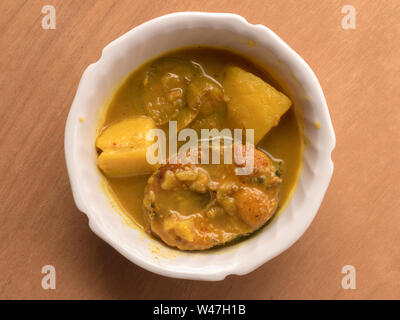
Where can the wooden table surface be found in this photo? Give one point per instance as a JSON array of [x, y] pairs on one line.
[[358, 223]]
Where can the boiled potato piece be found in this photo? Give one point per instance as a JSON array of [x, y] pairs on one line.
[[124, 147], [128, 133], [253, 103], [124, 163]]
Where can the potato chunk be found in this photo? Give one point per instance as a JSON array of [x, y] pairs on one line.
[[129, 133], [253, 103], [124, 148]]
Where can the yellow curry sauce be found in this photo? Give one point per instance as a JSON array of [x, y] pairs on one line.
[[283, 142]]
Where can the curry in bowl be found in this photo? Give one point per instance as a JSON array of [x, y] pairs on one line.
[[196, 205]]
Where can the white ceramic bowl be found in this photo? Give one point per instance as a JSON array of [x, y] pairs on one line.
[[148, 40]]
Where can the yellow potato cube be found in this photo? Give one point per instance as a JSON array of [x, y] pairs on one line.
[[129, 133], [124, 148], [125, 163], [253, 103]]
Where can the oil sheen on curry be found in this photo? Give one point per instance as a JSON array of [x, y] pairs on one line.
[[183, 201]]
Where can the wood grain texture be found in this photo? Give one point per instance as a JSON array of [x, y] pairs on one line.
[[358, 222]]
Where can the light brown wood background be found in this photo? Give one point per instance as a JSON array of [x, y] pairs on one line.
[[358, 222]]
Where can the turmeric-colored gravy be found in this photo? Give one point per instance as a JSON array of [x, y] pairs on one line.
[[283, 143]]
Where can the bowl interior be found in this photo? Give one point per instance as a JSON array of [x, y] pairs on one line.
[[128, 52]]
